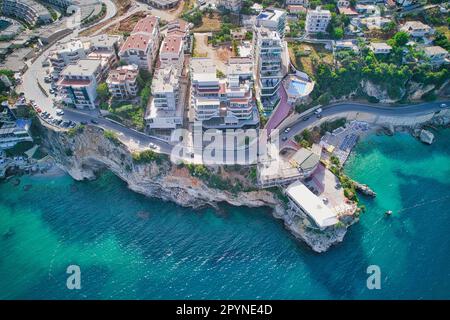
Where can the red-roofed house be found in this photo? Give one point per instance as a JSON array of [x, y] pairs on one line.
[[171, 52], [141, 46]]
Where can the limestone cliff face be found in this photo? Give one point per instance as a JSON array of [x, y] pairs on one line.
[[85, 153], [379, 92]]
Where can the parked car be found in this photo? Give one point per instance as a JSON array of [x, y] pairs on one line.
[[287, 130], [305, 119], [152, 145], [94, 121], [38, 110], [443, 105], [59, 112], [284, 138], [84, 123]]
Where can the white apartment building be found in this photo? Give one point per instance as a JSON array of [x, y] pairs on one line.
[[165, 112], [317, 20], [205, 89], [269, 67], [437, 55], [101, 47], [29, 11], [78, 83], [142, 45], [417, 29], [163, 4], [223, 103], [232, 5], [172, 52], [380, 47], [122, 82], [12, 130], [65, 54], [297, 2], [272, 19]]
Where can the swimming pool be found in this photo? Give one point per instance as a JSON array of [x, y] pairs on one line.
[[297, 87]]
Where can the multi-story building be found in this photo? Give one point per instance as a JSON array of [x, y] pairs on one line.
[[223, 103], [122, 82], [180, 28], [272, 19], [232, 5], [65, 54], [269, 67], [12, 130], [142, 45], [163, 4], [101, 47], [297, 2], [165, 112], [29, 11], [417, 29], [437, 55], [317, 20], [78, 83], [171, 52], [380, 47]]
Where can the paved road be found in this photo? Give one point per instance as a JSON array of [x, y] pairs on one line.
[[378, 110]]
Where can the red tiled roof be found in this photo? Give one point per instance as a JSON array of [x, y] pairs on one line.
[[171, 44], [136, 41], [145, 25]]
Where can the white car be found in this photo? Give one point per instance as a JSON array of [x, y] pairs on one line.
[[443, 105], [59, 112], [287, 130], [152, 145]]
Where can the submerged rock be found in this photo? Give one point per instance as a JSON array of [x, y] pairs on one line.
[[426, 136]]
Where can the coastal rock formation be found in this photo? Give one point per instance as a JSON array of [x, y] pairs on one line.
[[378, 92], [87, 152], [417, 90], [426, 136]]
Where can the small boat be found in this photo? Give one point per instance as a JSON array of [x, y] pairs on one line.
[[389, 212]]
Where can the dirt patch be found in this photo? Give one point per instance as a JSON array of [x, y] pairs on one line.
[[122, 7], [209, 24], [126, 25]]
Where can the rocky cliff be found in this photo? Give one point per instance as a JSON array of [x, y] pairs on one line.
[[88, 151]]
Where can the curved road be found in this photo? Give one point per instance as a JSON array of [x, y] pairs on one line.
[[342, 109]]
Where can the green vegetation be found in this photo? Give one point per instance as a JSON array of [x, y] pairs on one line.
[[148, 156], [195, 17], [329, 126], [301, 108], [224, 35], [103, 92], [129, 114], [92, 18], [112, 136], [391, 72], [297, 26], [280, 194], [72, 132], [19, 149], [305, 138], [220, 74]]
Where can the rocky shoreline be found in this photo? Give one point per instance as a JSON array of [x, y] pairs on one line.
[[87, 153]]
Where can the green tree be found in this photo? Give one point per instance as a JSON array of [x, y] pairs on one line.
[[103, 91]]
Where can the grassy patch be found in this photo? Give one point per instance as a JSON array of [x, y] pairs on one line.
[[148, 156]]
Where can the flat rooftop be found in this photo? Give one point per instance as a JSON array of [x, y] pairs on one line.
[[312, 205]]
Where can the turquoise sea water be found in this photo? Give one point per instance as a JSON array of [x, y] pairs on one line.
[[129, 246]]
